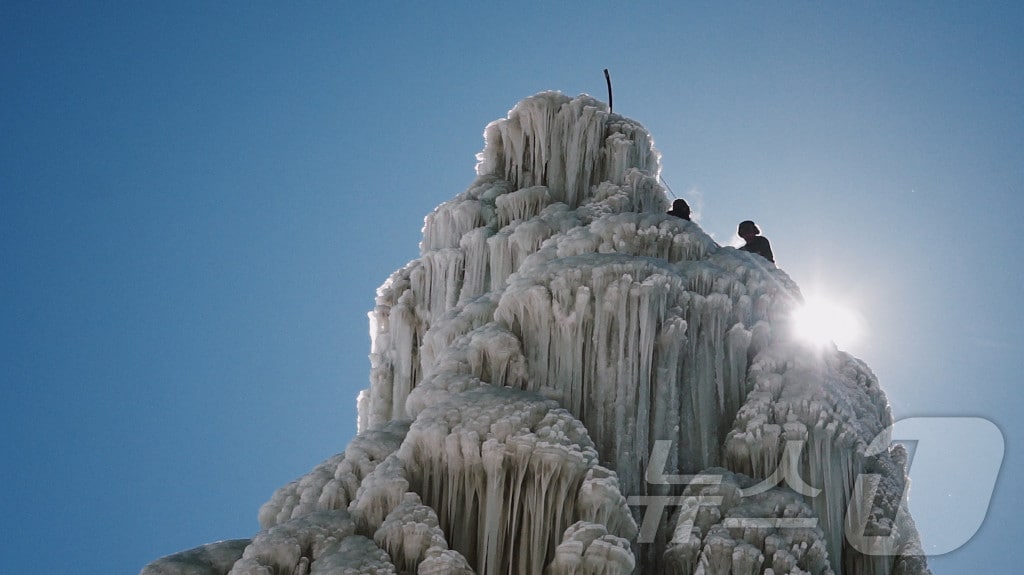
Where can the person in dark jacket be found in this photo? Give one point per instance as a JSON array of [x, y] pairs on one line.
[[756, 243], [680, 209]]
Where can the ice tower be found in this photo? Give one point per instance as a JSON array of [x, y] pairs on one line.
[[570, 381]]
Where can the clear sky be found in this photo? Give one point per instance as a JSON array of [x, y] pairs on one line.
[[198, 200]]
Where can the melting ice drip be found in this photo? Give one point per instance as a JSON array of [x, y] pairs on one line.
[[556, 328]]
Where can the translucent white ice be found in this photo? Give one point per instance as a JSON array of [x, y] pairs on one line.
[[210, 559], [556, 325], [739, 533]]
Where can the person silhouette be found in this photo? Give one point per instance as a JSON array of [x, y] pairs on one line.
[[680, 209], [755, 242]]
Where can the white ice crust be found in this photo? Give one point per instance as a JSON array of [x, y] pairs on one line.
[[556, 326]]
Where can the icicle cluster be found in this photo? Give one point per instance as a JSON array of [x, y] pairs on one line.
[[588, 548], [830, 407], [507, 472], [562, 350], [719, 528], [292, 546], [334, 483]]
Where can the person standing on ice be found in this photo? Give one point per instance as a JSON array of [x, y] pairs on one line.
[[680, 209], [756, 243]]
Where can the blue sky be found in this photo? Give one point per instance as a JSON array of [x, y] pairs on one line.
[[198, 201]]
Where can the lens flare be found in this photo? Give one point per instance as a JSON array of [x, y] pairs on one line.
[[821, 321]]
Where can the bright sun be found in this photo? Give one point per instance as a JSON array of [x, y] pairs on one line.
[[821, 321]]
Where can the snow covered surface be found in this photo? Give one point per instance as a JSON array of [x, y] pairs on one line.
[[568, 381]]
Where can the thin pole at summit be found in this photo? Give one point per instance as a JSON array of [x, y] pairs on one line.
[[608, 80]]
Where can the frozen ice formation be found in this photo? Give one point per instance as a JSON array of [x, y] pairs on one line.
[[744, 533], [568, 380], [210, 559]]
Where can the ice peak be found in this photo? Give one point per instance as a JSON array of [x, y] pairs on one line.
[[567, 144]]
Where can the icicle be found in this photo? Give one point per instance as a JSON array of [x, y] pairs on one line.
[[448, 328], [410, 530], [588, 549], [600, 501], [379, 493], [521, 205], [449, 222], [444, 562], [476, 277]]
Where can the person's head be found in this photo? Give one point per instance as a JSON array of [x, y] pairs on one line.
[[748, 229], [681, 208]]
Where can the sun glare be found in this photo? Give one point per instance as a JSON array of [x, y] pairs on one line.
[[821, 321]]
